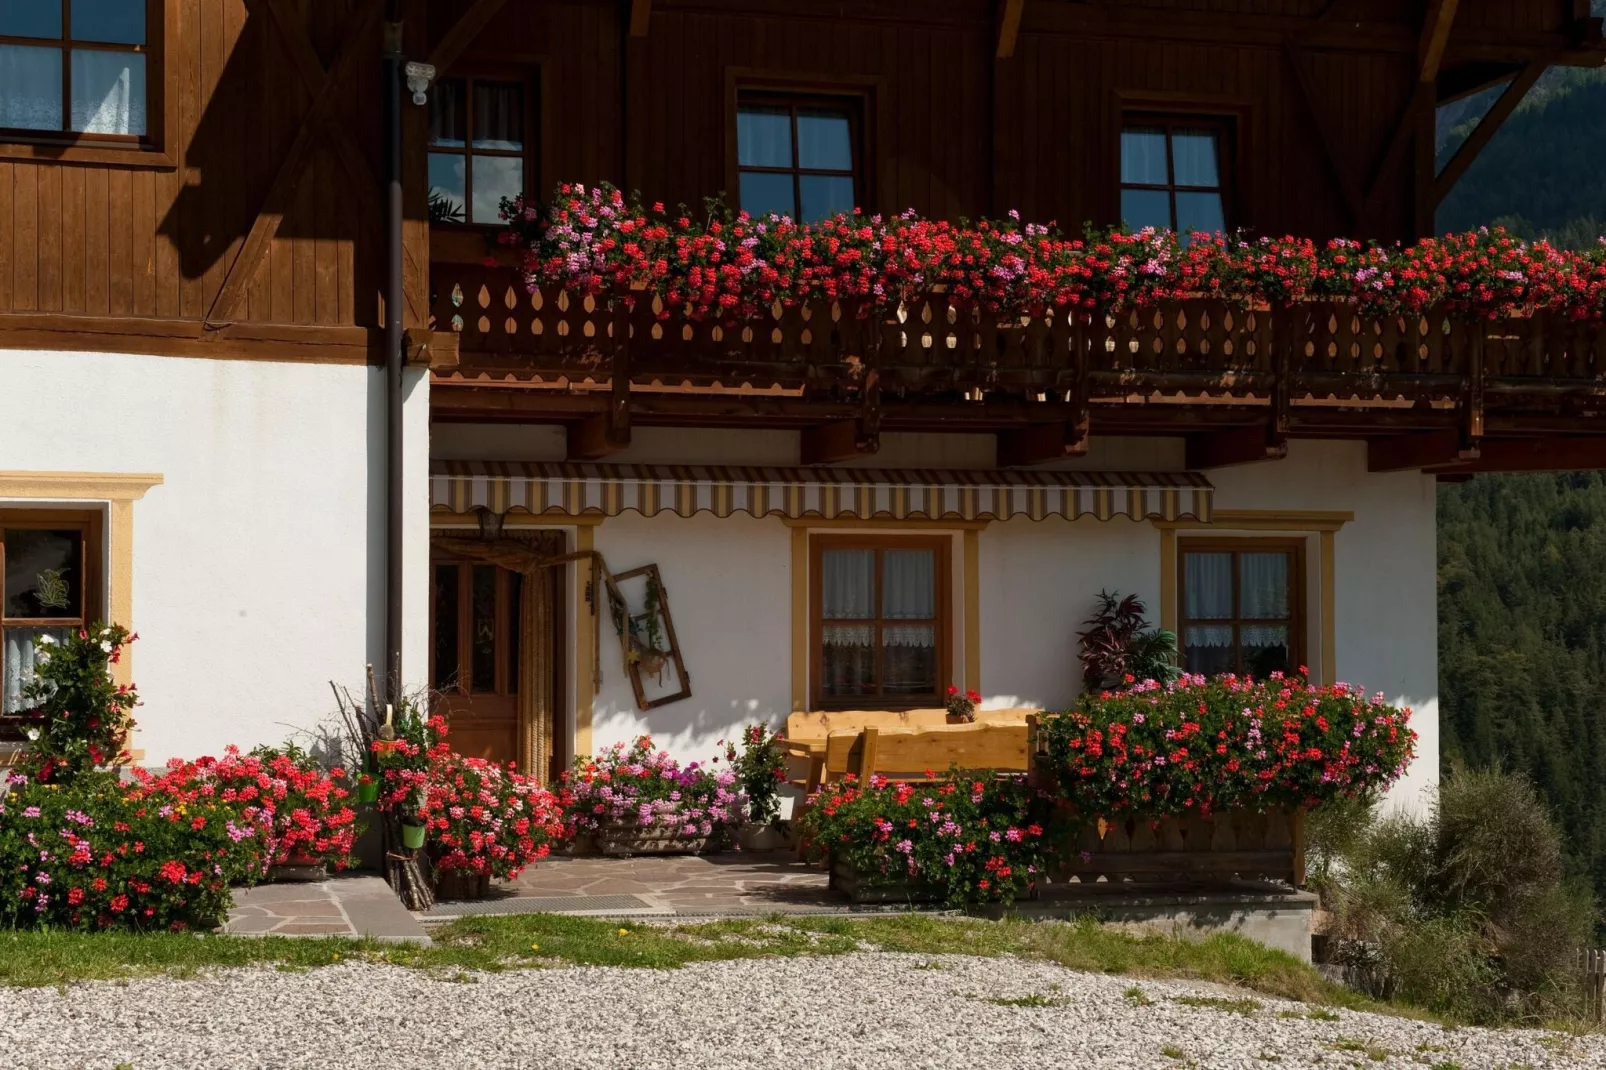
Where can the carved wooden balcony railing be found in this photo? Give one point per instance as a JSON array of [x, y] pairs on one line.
[[935, 344], [1317, 367]]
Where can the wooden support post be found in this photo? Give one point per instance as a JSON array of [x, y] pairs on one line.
[[593, 438], [1038, 444], [640, 17], [1401, 453], [1009, 26], [1532, 455], [1241, 445], [831, 443], [1472, 401], [1435, 37], [1487, 128]]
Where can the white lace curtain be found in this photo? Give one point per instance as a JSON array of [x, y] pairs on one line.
[[908, 592], [1262, 586], [17, 663]]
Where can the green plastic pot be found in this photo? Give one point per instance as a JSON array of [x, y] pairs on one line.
[[369, 792], [413, 836]]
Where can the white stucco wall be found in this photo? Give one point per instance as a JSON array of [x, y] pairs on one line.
[[728, 581], [259, 561]]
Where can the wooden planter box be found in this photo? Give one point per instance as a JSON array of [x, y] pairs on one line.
[[1238, 845], [627, 839], [300, 869], [851, 883], [461, 884]]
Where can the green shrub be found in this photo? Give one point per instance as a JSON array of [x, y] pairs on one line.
[[1464, 911], [77, 718], [93, 854]]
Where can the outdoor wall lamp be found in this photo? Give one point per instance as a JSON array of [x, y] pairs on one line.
[[418, 76]]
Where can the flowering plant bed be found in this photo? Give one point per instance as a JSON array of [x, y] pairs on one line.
[[638, 788], [486, 821], [305, 812], [971, 838], [95, 854], [723, 265], [1201, 747]]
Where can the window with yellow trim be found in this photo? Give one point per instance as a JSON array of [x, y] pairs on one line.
[[50, 580], [880, 625], [1240, 606]]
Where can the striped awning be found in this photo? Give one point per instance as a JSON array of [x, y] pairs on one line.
[[853, 493]]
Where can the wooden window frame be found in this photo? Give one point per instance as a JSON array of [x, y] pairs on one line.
[[851, 104], [90, 523], [161, 100], [1223, 126], [942, 545], [1298, 596], [530, 154]]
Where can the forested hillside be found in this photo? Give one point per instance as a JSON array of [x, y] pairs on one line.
[[1522, 559], [1522, 641]]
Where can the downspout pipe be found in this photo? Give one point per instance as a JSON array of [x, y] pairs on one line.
[[395, 346]]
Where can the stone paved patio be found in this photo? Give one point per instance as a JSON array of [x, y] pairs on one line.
[[356, 906], [693, 885]]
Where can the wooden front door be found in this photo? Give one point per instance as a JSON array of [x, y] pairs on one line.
[[474, 655]]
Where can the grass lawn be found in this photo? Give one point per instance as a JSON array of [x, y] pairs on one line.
[[544, 940]]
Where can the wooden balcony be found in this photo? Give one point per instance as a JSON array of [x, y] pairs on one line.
[[1188, 367]]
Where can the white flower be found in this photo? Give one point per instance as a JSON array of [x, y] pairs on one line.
[[45, 640], [33, 735], [106, 646]]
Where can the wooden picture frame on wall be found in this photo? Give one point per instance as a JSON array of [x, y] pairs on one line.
[[637, 661]]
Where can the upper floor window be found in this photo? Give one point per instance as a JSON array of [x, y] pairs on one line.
[[478, 148], [798, 157], [1241, 602], [1172, 175], [76, 66], [880, 622]]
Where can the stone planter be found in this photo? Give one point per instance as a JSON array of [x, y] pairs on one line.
[[623, 840], [461, 884], [775, 836], [851, 883]]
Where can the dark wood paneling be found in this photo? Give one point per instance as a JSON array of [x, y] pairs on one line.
[[950, 130]]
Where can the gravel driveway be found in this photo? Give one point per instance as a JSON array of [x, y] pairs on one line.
[[868, 1010]]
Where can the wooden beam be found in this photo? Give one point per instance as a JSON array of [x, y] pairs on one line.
[[640, 16], [1241, 445], [1534, 455], [1354, 199], [830, 443], [462, 34], [1435, 36], [1039, 444], [594, 438], [1009, 27], [1401, 453], [1487, 128]]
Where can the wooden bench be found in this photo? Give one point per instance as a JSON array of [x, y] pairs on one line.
[[920, 755], [807, 733]]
